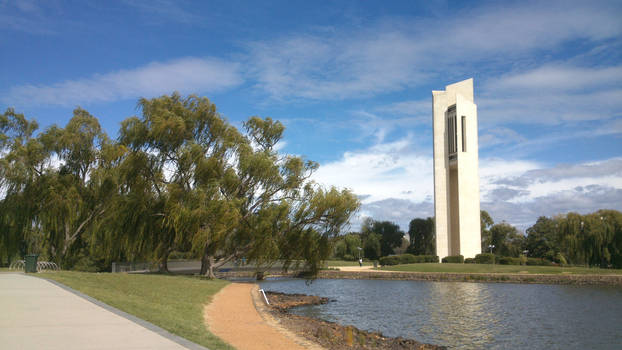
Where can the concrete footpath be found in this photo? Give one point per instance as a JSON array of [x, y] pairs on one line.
[[38, 314]]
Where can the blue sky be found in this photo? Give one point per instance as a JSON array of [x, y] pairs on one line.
[[352, 82]]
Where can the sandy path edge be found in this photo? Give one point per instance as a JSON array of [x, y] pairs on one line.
[[238, 315]]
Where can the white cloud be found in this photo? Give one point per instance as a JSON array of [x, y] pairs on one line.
[[168, 10], [499, 135], [186, 75], [520, 196], [559, 78], [335, 67], [395, 182], [388, 170], [552, 95], [396, 53]]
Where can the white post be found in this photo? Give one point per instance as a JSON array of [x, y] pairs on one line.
[[264, 296]]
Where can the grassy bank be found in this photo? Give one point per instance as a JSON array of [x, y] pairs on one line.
[[174, 303], [489, 268]]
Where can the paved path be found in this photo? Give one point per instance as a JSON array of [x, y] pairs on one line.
[[356, 268], [232, 317], [37, 314]]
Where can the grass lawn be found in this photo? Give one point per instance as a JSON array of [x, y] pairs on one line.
[[488, 268], [332, 263], [174, 303]]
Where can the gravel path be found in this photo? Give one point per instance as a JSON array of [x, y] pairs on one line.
[[233, 317]]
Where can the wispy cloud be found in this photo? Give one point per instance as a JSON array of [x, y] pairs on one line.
[[27, 16], [396, 53], [187, 75], [558, 77], [165, 11], [552, 94], [395, 182], [386, 170]]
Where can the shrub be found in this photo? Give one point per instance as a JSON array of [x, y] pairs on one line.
[[469, 261], [430, 258], [349, 257], [506, 260], [485, 258], [389, 260], [454, 259], [408, 259], [538, 262]]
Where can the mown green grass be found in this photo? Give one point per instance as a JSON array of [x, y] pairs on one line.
[[174, 303], [333, 263], [489, 268]]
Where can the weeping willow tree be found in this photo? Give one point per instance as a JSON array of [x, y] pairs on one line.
[[180, 177], [224, 193], [22, 164], [593, 239]]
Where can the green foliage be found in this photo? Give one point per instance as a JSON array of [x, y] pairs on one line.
[[389, 260], [594, 239], [407, 259], [180, 178], [389, 234], [422, 237], [469, 261], [453, 259], [485, 224], [346, 247], [541, 238], [485, 258], [507, 260], [538, 262], [506, 239], [371, 245]]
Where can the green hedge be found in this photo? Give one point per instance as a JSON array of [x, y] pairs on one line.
[[538, 262], [506, 260], [485, 258], [469, 261], [454, 259], [389, 260], [407, 259]]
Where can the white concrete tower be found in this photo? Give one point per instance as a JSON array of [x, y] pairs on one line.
[[456, 176]]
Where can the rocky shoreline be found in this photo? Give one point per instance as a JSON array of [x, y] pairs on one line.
[[331, 335]]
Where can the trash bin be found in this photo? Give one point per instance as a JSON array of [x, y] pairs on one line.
[[31, 263], [375, 264]]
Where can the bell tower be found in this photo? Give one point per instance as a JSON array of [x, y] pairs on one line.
[[456, 175]]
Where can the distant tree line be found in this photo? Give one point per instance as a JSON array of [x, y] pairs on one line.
[[593, 239], [179, 178]]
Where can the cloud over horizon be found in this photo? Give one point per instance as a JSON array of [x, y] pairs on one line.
[[395, 182], [186, 75]]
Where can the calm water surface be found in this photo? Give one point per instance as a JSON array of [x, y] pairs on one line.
[[471, 315]]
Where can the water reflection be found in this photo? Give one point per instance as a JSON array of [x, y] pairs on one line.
[[471, 315], [458, 313]]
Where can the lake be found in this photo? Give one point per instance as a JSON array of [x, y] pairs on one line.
[[463, 315]]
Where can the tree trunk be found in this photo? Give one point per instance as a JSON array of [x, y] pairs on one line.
[[207, 266], [207, 263], [163, 266]]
